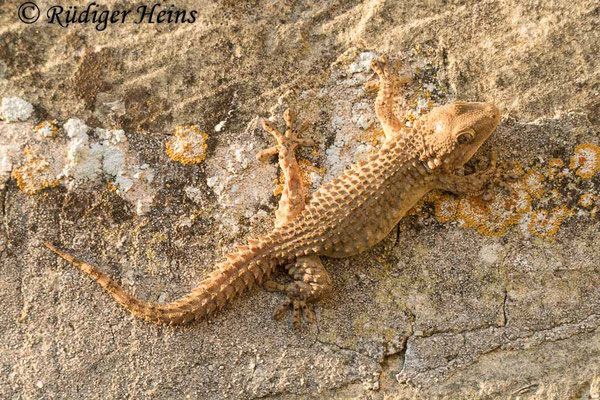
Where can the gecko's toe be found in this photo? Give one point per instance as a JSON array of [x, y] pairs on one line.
[[272, 129], [380, 66], [282, 309], [301, 311], [288, 141], [272, 286], [501, 174], [372, 86], [266, 154], [388, 77]]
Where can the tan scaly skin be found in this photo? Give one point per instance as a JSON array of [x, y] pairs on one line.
[[346, 216]]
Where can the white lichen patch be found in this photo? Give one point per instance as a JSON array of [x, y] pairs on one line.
[[233, 181], [352, 119], [490, 254], [241, 184], [534, 182], [587, 200], [187, 145], [13, 138], [84, 161], [197, 195], [5, 164], [15, 109], [130, 180], [39, 159], [362, 63]]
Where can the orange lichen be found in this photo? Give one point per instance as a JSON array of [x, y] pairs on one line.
[[587, 200], [534, 182], [187, 145], [446, 208], [489, 218], [556, 163], [34, 175], [111, 187], [373, 136], [544, 225], [586, 160], [47, 129], [306, 171], [493, 218], [514, 207], [555, 166]]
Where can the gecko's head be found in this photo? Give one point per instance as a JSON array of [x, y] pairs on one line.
[[455, 131]]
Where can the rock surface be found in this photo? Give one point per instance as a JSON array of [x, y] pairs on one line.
[[466, 300]]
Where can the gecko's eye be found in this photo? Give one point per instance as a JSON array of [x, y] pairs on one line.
[[466, 137]]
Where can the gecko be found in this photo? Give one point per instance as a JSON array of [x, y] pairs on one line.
[[345, 216]]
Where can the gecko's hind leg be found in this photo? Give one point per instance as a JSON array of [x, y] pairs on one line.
[[389, 87], [310, 279]]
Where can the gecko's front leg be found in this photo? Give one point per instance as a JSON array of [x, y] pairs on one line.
[[389, 89], [478, 183], [310, 279]]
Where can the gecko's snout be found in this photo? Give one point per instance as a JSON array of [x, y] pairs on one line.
[[493, 113], [483, 118]]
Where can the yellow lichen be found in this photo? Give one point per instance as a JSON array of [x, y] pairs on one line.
[[555, 166], [24, 314], [196, 215], [306, 170], [586, 160], [34, 175], [446, 208], [544, 225], [494, 217], [416, 209], [507, 209], [47, 129], [490, 218], [587, 200], [373, 136], [534, 182], [187, 145]]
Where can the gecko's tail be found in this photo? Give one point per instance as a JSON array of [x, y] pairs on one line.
[[230, 278]]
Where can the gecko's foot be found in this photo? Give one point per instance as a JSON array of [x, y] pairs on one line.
[[294, 302], [388, 79], [286, 142], [499, 174], [299, 308]]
